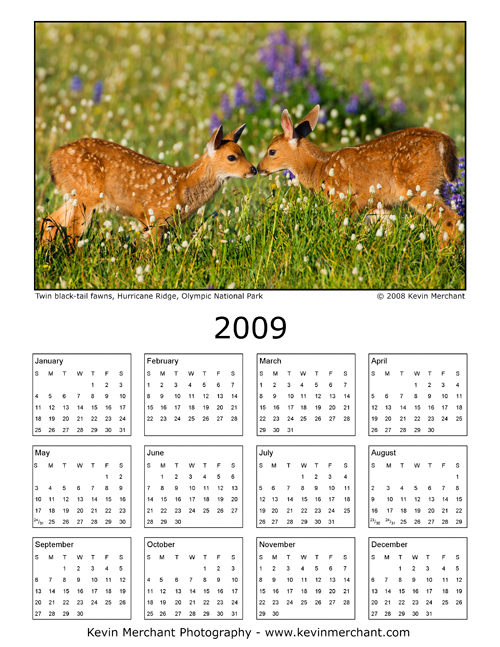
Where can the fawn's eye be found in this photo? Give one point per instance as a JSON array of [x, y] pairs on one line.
[[271, 152], [231, 158]]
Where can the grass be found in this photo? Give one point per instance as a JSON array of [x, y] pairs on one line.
[[163, 85]]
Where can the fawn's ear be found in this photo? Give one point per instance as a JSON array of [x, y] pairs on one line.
[[215, 141], [308, 124], [234, 135], [287, 125]]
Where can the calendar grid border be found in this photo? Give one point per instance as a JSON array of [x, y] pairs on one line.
[[73, 435], [78, 447], [277, 538], [466, 447], [182, 526], [422, 619], [353, 435], [130, 588], [466, 355], [257, 527], [242, 587], [196, 435]]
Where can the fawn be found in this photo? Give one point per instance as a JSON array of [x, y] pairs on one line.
[[412, 163], [110, 177]]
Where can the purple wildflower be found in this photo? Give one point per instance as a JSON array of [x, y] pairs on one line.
[[279, 79], [455, 191], [366, 92], [289, 175], [259, 92], [214, 122], [398, 105], [313, 96], [352, 105], [240, 96], [318, 68], [225, 106], [98, 87], [278, 37], [76, 84]]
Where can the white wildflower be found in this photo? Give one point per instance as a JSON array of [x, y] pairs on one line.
[[436, 192], [417, 188], [346, 222], [372, 189], [409, 193], [331, 172], [185, 244], [421, 236], [380, 205], [379, 232], [73, 192], [461, 227], [359, 247], [423, 194], [355, 270], [379, 186]]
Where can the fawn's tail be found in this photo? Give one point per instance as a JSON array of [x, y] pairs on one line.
[[450, 160]]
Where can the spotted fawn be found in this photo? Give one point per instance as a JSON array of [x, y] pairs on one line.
[[413, 163], [109, 177]]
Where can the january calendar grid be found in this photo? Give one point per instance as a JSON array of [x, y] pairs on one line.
[[297, 486], [82, 394]]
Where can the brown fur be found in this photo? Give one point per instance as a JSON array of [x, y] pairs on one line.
[[137, 184], [399, 162]]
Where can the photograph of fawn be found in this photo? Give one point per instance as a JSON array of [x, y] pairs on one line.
[[345, 168]]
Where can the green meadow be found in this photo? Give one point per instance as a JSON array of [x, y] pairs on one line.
[[162, 89]]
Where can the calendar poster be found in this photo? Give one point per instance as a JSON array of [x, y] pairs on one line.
[[250, 341]]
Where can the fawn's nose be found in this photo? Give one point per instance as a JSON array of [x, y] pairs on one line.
[[253, 170]]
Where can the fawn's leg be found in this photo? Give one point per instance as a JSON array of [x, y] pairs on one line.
[[447, 220], [59, 219], [74, 220]]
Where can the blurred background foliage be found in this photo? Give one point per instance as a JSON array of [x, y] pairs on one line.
[[163, 87]]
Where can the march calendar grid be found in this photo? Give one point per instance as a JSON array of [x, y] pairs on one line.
[[211, 487]]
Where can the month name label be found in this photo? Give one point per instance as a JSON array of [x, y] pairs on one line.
[[81, 394]]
